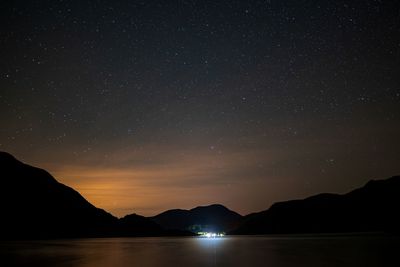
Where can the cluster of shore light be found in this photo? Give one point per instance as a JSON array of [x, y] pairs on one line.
[[210, 234]]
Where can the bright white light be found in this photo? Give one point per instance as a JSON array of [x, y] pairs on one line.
[[210, 234]]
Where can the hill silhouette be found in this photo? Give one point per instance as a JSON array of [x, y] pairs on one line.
[[137, 225], [34, 205], [214, 217], [373, 207]]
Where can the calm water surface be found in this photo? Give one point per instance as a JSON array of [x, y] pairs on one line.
[[194, 251]]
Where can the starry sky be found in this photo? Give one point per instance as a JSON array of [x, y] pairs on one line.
[[144, 106]]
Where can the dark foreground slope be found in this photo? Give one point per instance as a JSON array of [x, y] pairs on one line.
[[34, 205], [137, 225], [374, 207], [206, 218]]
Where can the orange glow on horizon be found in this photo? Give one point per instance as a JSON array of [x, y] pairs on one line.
[[184, 181]]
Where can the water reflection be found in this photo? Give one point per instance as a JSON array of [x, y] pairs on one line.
[[224, 251]]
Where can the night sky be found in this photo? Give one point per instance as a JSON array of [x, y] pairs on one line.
[[144, 106]]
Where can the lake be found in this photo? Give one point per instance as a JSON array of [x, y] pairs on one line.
[[328, 250]]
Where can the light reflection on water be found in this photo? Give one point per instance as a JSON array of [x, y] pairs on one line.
[[195, 251]]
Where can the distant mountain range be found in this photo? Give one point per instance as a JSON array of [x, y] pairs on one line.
[[373, 207], [34, 205], [213, 218]]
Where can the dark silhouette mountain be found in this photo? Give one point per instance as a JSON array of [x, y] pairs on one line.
[[137, 225], [34, 205], [208, 218], [374, 207]]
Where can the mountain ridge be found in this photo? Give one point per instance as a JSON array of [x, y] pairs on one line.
[[35, 205], [368, 208], [214, 217]]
